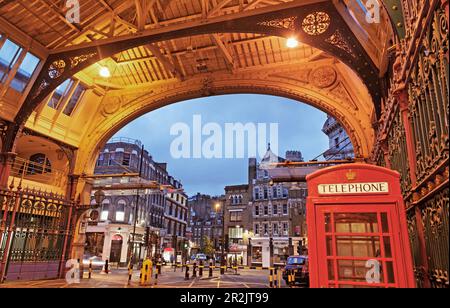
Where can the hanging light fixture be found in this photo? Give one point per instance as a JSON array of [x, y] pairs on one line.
[[104, 72], [292, 42]]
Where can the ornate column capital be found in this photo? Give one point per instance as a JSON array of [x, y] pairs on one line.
[[402, 97]]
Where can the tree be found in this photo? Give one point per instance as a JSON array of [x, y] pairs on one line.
[[208, 246]]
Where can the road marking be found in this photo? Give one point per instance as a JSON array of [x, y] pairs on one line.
[[193, 281]]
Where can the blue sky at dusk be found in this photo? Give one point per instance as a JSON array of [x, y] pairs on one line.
[[299, 128]]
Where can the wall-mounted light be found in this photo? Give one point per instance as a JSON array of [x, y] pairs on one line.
[[292, 42]]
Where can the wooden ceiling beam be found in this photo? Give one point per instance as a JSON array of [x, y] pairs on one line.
[[168, 65], [142, 13], [61, 17], [192, 21], [252, 4], [217, 8], [224, 51], [205, 8]]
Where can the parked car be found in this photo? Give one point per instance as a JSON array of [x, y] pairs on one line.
[[200, 257], [299, 265]]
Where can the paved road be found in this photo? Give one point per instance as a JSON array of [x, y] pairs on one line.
[[118, 278]]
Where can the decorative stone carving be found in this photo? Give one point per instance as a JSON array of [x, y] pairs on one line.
[[323, 77], [338, 40], [296, 76], [341, 91], [111, 105], [284, 23], [316, 23]]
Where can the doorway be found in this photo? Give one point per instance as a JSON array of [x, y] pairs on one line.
[[116, 249]]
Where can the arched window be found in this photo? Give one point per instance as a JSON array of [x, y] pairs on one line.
[[256, 193], [120, 210], [39, 164], [105, 210]]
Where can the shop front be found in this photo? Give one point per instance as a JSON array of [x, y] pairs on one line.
[[261, 252]]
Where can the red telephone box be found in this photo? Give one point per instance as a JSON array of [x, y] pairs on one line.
[[357, 228]]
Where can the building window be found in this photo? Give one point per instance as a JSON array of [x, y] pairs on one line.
[[285, 228], [336, 142], [105, 210], [75, 99], [275, 228], [236, 216], [60, 94], [9, 54], [256, 193], [120, 210], [111, 159], [285, 209], [256, 210], [126, 159], [266, 229], [256, 228], [275, 209], [39, 164], [236, 232], [266, 210], [24, 73]]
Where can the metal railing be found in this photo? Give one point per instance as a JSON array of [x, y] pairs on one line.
[[40, 173], [125, 140]]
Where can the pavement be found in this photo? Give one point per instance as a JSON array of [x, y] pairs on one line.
[[118, 278]]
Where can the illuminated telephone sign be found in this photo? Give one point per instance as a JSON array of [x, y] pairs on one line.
[[357, 228]]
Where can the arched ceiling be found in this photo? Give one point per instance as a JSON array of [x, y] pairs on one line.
[[149, 42]]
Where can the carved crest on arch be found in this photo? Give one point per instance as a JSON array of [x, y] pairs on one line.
[[282, 23], [323, 77]]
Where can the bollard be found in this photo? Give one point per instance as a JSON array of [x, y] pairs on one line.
[[271, 278], [90, 269], [275, 278], [186, 276], [158, 267], [200, 269], [80, 269], [130, 272], [156, 278], [107, 266], [279, 278], [146, 272], [222, 268], [210, 270], [194, 270]]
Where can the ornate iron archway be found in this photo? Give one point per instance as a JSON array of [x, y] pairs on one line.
[[316, 23]]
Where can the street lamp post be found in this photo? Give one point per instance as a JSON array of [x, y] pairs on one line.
[[222, 258], [131, 252]]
